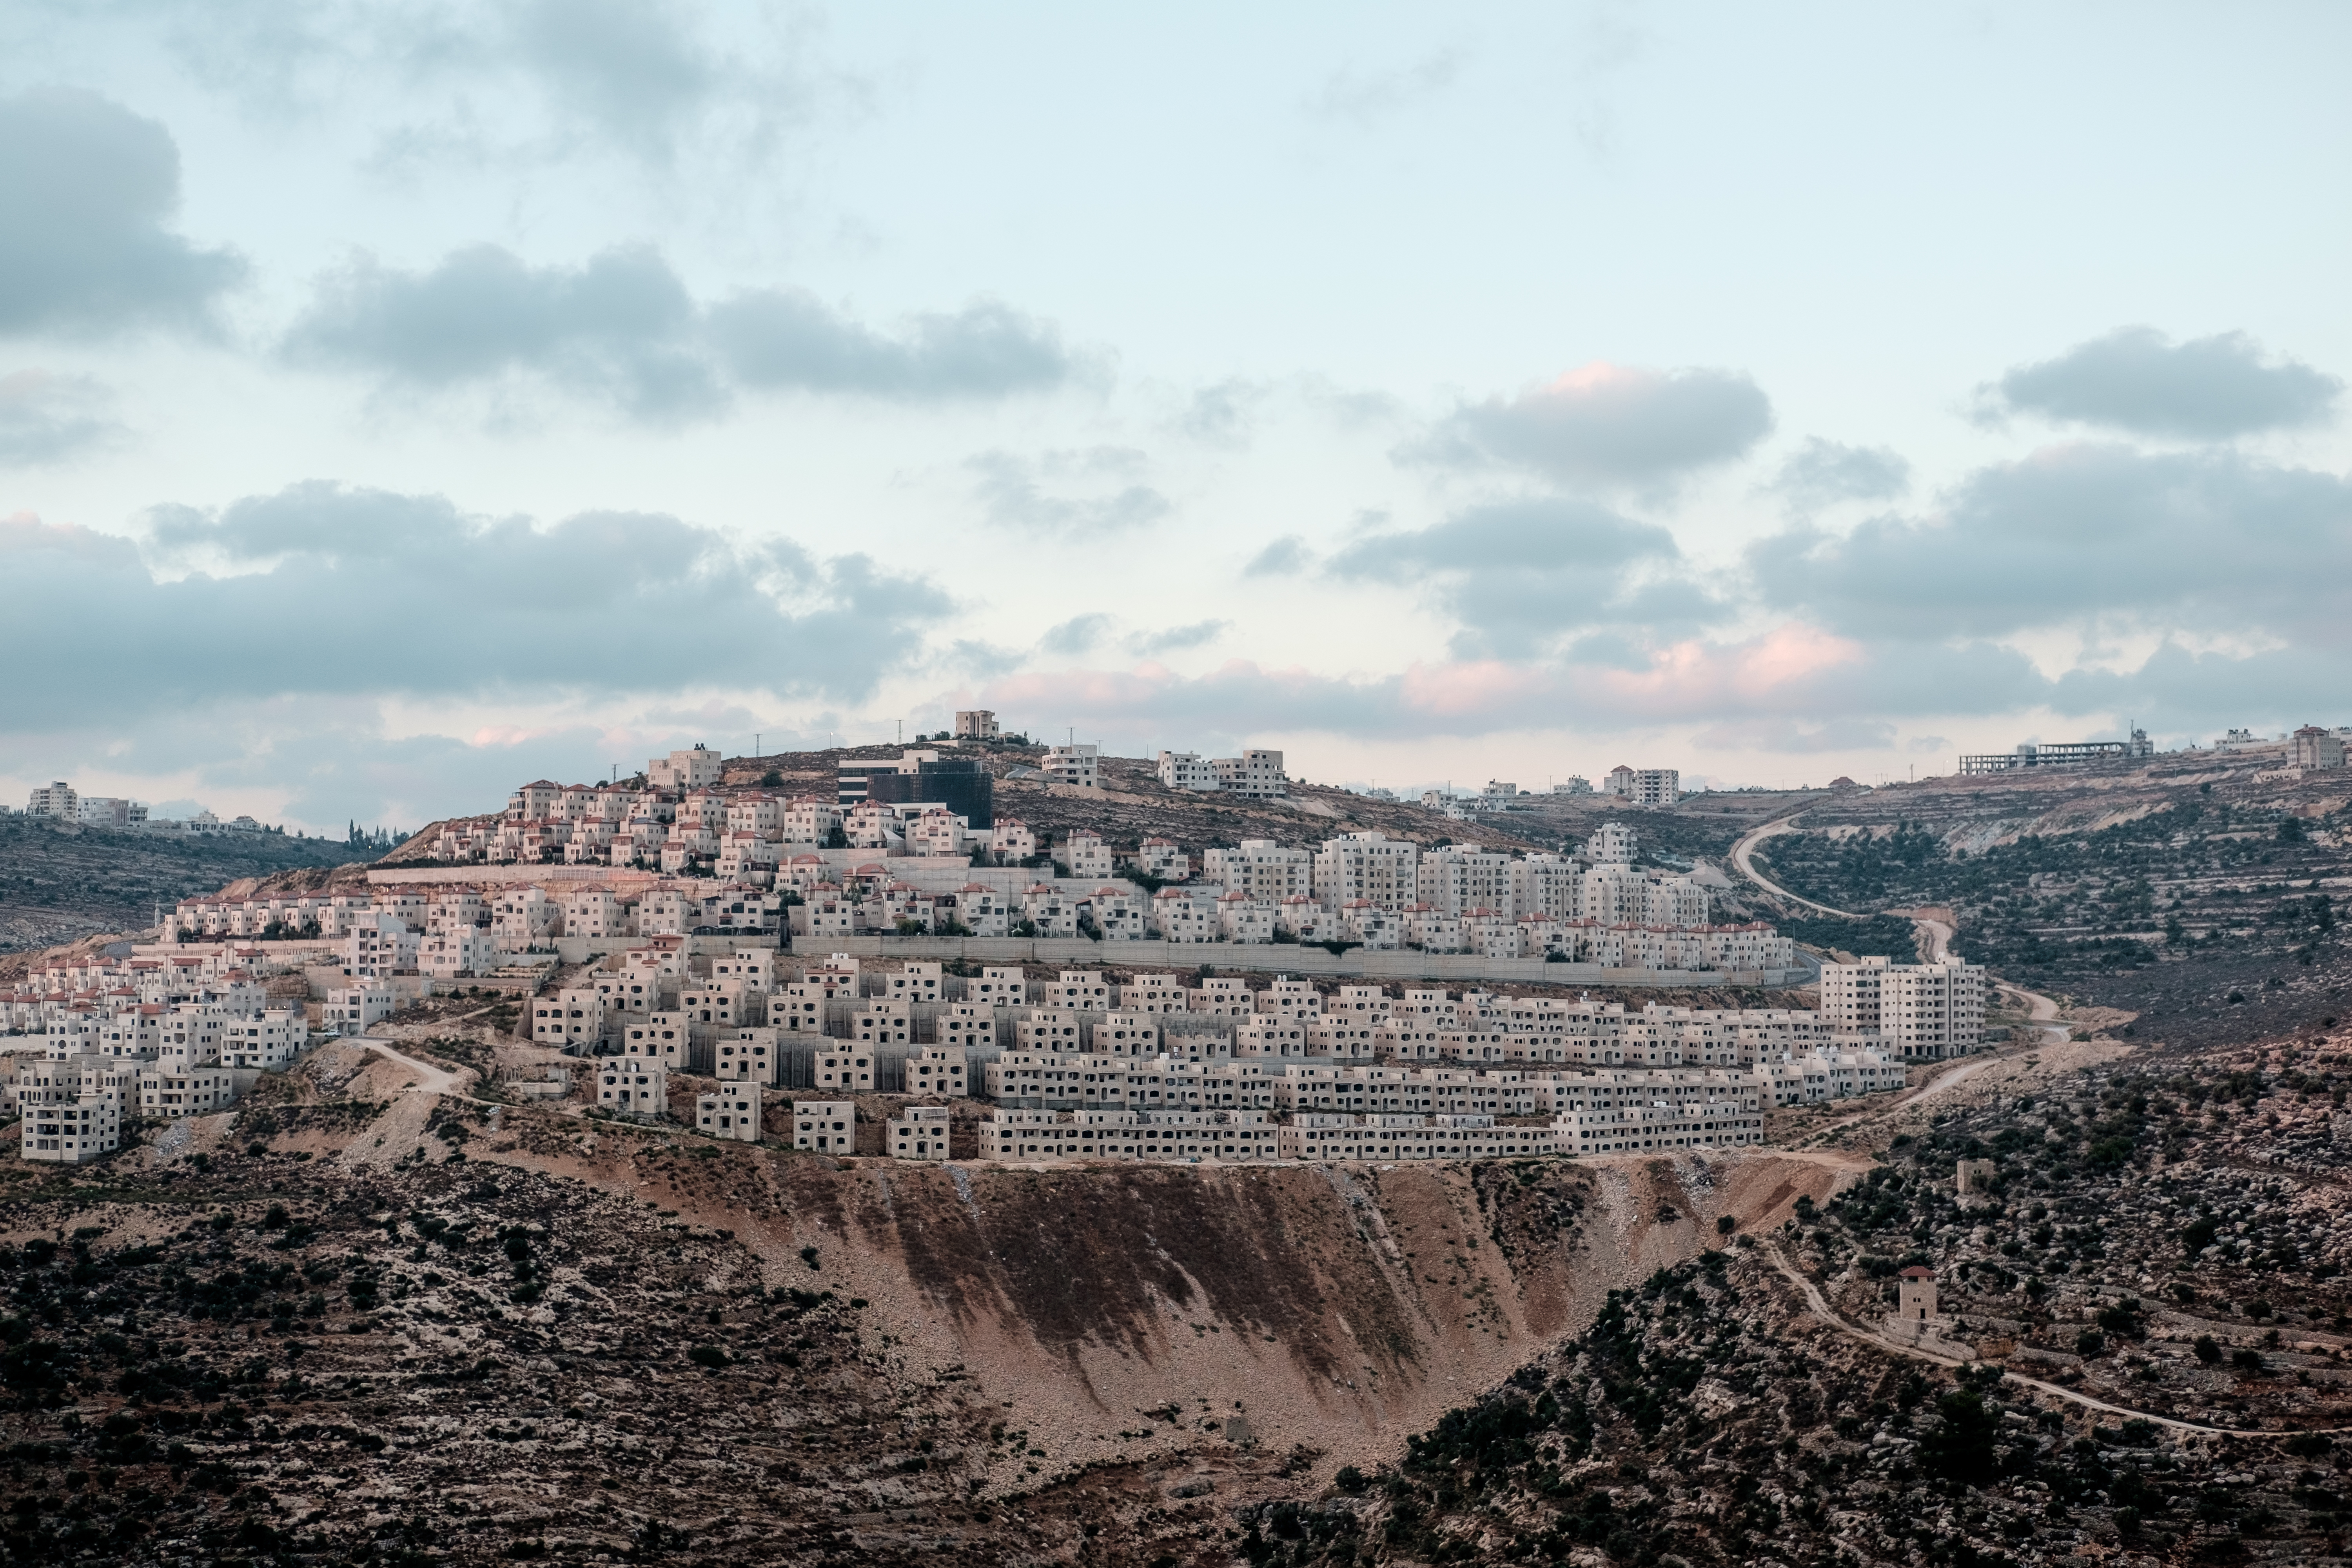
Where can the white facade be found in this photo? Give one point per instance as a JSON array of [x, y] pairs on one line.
[[1920, 1012], [1188, 771], [1076, 764], [732, 1113], [1369, 866], [1262, 870], [695, 768], [824, 1126]]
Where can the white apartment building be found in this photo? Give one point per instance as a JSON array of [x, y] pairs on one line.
[[378, 947], [71, 1130], [732, 1113], [695, 768], [1188, 771], [976, 724], [1084, 856], [59, 800], [749, 1055], [573, 1019], [1645, 787], [824, 1126], [1012, 840], [1262, 870], [1254, 773], [354, 1009], [1368, 865], [1455, 879], [1074, 764], [919, 1133], [634, 1086], [1920, 1012]]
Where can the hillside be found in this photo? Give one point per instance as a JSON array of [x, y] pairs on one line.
[[2187, 889], [1133, 804], [60, 883], [352, 1322]]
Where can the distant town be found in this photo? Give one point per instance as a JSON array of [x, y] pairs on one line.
[[898, 938]]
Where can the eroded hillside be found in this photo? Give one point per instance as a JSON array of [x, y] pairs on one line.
[[360, 1313]]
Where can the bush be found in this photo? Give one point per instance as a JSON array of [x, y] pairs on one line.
[[2248, 1360], [1349, 1479], [2090, 1342], [2207, 1351], [710, 1356]]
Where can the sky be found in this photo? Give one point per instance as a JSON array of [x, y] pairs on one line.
[[400, 401]]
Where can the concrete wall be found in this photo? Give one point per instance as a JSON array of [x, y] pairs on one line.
[[1282, 958]]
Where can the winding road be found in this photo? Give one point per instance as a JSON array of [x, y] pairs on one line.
[[1936, 935], [1820, 1308]]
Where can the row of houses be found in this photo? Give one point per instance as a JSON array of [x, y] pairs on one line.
[[655, 989]]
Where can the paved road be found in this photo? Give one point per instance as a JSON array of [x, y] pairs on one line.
[[1821, 1309], [1936, 936], [1746, 847]]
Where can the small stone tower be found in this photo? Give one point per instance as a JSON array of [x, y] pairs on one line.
[[1916, 1296], [1975, 1176]]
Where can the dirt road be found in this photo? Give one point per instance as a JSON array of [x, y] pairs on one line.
[[1820, 1308]]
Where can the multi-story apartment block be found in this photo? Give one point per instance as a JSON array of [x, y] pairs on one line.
[[634, 1086], [1369, 866], [59, 800], [354, 1009], [1188, 771], [1261, 870], [1920, 1012], [824, 1126], [1012, 841], [695, 768], [1073, 764], [380, 947], [573, 1019], [1645, 786], [919, 1133], [732, 1112], [1255, 774], [1456, 881], [1084, 856], [976, 724]]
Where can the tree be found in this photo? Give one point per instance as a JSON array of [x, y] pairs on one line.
[[1960, 1450]]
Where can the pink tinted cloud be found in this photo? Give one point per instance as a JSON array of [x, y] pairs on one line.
[[1782, 670]]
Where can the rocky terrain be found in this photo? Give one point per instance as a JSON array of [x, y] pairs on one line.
[[2190, 890], [58, 883], [379, 1313]]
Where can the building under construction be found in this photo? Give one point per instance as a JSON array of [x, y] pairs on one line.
[[2064, 753]]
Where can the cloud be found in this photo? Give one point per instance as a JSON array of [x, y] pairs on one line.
[[86, 188], [661, 81], [1518, 575], [1368, 98], [772, 338], [1795, 736], [44, 417], [1284, 557], [633, 68], [1823, 473], [2138, 380], [623, 325], [1607, 425], [1012, 492], [1177, 639], [2084, 535], [319, 590], [1075, 636], [1219, 414]]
